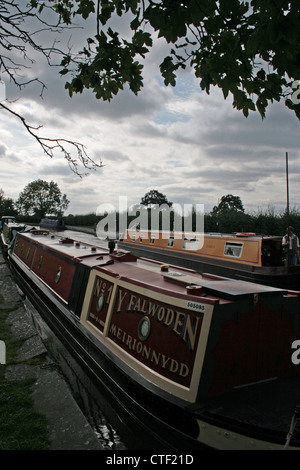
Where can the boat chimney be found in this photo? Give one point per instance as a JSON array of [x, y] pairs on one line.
[[111, 245], [194, 290], [164, 268]]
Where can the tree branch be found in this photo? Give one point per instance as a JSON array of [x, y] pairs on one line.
[[49, 146], [18, 39]]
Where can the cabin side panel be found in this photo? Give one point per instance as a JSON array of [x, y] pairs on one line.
[[215, 247], [24, 249], [249, 343], [55, 271], [160, 336]]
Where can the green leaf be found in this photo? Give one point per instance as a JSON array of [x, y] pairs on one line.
[[261, 107], [135, 23], [86, 7]]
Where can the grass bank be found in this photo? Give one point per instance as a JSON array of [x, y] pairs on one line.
[[21, 427]]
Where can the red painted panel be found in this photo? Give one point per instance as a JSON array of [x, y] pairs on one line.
[[159, 335], [24, 249], [46, 265], [252, 346], [56, 272]]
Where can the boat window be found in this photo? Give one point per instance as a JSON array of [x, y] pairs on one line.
[[194, 244], [141, 237], [171, 242], [233, 249], [133, 237], [152, 239], [184, 243]]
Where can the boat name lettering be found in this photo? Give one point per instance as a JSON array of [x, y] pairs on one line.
[[101, 287], [195, 306], [148, 353], [182, 324]]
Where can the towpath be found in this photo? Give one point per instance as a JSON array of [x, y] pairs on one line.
[[68, 428]]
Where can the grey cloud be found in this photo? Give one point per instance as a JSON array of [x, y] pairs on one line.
[[112, 156], [2, 150], [278, 130]]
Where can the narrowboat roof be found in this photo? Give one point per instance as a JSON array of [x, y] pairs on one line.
[[152, 274], [180, 235]]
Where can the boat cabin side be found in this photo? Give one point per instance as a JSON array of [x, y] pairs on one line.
[[193, 336], [240, 248]]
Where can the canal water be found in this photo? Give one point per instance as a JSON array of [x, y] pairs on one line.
[[109, 423]]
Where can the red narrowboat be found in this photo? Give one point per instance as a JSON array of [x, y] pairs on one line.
[[199, 361]]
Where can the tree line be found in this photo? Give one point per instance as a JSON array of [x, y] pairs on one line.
[[40, 198], [267, 222], [229, 216]]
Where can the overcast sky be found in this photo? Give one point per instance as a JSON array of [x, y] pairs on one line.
[[192, 147]]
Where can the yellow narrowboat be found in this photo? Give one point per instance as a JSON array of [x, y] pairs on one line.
[[245, 256]]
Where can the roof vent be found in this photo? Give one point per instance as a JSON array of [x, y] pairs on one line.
[[194, 290], [164, 268]]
